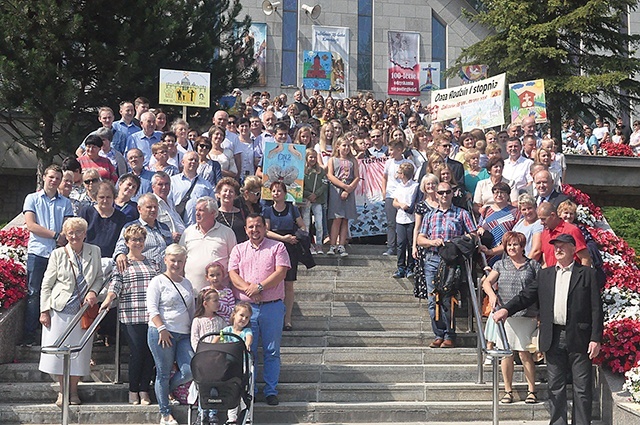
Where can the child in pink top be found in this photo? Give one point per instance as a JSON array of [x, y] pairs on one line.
[[216, 276]]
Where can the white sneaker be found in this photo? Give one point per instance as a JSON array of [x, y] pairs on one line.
[[332, 250], [168, 420], [488, 360], [341, 251]]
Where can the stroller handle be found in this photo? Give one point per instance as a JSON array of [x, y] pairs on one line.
[[221, 333]]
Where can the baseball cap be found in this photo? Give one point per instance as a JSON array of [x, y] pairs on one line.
[[563, 238]]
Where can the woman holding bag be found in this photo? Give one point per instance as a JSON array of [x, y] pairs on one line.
[[73, 277]]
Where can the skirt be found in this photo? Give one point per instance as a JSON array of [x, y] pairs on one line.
[[52, 364], [520, 331]]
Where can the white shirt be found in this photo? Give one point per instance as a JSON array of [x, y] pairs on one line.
[[390, 170], [517, 171], [563, 278], [168, 215], [404, 194]]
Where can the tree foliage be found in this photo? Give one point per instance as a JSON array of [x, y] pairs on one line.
[[62, 59], [579, 47]]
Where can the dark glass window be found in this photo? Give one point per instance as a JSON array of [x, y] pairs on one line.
[[365, 44], [439, 45], [290, 43]]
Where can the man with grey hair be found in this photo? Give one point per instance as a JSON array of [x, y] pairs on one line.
[[206, 241], [158, 234], [167, 214], [187, 186], [147, 137]]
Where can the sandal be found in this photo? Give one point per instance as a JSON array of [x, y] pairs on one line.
[[507, 397], [287, 327], [532, 398]]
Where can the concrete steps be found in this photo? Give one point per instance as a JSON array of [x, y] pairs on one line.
[[358, 354]]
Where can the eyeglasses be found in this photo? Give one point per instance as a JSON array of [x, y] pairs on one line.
[[445, 146], [232, 123], [204, 146], [136, 239], [444, 192], [91, 181], [499, 192], [255, 193]]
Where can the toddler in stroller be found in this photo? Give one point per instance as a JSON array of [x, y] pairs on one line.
[[223, 371]]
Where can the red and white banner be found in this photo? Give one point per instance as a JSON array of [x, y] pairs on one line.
[[404, 64]]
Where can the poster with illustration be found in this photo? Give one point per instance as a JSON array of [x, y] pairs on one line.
[[369, 199], [429, 76], [404, 63], [473, 73], [482, 114], [316, 70], [336, 41], [527, 99], [284, 162]]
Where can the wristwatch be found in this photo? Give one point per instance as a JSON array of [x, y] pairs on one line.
[[260, 287]]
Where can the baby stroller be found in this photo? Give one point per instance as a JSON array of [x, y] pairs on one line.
[[225, 378]]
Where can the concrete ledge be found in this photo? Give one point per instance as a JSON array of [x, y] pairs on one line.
[[11, 320], [617, 406]]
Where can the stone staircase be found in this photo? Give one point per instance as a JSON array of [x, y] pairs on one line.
[[357, 354]]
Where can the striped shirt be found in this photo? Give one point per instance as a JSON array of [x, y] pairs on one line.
[[131, 288]]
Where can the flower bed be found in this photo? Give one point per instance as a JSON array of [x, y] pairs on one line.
[[616, 149], [13, 265], [621, 295]]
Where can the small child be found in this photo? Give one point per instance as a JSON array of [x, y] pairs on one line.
[[316, 186], [216, 276], [205, 321], [405, 220], [360, 149], [389, 184], [582, 147], [241, 326]]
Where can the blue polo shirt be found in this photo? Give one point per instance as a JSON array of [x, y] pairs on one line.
[[50, 213], [180, 185], [141, 141], [125, 128]]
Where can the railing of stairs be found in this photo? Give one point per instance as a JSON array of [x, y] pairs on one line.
[[60, 347], [482, 342]]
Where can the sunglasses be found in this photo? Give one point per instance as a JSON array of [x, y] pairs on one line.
[[445, 146], [444, 192], [91, 181], [204, 146], [232, 123]]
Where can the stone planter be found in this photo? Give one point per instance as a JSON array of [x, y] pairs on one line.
[[11, 321]]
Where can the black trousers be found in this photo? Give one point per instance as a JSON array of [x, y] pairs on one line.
[[561, 361]]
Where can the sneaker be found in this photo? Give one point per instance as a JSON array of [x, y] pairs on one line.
[[409, 274], [341, 251], [272, 400], [313, 250], [332, 250], [168, 420], [399, 274], [488, 360], [390, 252], [319, 249]]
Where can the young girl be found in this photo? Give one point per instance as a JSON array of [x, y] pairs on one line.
[[217, 278], [241, 326], [315, 193], [342, 171], [205, 321]]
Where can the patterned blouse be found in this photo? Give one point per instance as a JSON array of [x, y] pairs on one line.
[[131, 288]]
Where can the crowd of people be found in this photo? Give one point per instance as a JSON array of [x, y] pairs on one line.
[[171, 222]]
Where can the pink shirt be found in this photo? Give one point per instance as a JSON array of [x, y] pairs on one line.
[[256, 264]]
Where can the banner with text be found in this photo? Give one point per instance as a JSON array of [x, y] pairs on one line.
[[446, 103], [527, 99], [404, 63], [371, 219], [184, 88], [336, 41]]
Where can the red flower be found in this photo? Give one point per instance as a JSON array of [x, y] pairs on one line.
[[583, 199], [617, 149], [13, 282], [14, 237], [620, 345]]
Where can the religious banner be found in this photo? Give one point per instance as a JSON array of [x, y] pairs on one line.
[[527, 99], [371, 219], [184, 88], [482, 114], [429, 76], [316, 70], [258, 36], [284, 162], [472, 73], [404, 63], [446, 103], [336, 41]]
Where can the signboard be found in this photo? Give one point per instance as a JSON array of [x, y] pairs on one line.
[[258, 37], [482, 114], [316, 70], [284, 162], [404, 63], [472, 73], [429, 76], [184, 88], [336, 41], [446, 103], [372, 219], [527, 99]]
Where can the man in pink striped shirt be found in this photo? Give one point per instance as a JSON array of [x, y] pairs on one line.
[[257, 269]]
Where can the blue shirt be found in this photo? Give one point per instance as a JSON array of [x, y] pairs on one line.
[[145, 184], [156, 242], [141, 141], [180, 185], [50, 213], [125, 128]]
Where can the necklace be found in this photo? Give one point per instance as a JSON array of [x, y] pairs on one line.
[[226, 221]]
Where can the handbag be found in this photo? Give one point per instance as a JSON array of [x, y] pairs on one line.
[[91, 313], [180, 207]]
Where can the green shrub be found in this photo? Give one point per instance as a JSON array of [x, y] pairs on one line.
[[626, 223]]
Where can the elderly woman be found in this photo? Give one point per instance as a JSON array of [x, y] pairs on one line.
[[496, 220], [171, 307], [483, 196], [250, 200], [227, 191], [73, 277], [529, 225], [428, 186], [208, 169], [92, 159], [507, 278], [474, 173], [130, 287], [85, 195]]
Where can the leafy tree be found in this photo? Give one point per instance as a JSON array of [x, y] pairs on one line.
[[62, 59], [579, 47]]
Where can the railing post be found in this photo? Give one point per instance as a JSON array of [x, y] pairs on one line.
[[480, 360], [116, 379], [496, 382], [66, 382]]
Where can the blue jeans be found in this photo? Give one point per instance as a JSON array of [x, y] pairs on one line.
[[181, 353], [266, 324], [442, 328], [140, 358], [36, 266]]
